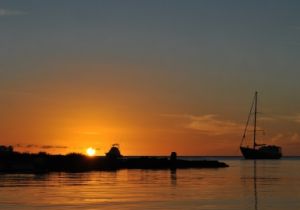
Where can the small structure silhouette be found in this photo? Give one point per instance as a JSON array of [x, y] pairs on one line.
[[173, 160], [6, 149], [114, 152], [173, 156]]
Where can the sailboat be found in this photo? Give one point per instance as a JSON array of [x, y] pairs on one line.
[[258, 151]]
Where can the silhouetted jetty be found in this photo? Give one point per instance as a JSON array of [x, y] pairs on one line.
[[15, 162]]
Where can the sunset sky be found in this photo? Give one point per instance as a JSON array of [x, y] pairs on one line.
[[154, 76]]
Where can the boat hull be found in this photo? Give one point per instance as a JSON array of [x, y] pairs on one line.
[[250, 153]]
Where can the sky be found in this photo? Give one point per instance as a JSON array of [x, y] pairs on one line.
[[153, 76]]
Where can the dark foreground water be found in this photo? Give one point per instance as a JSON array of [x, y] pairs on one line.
[[263, 184]]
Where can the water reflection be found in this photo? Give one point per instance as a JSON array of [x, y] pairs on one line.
[[249, 185], [255, 186], [260, 177], [173, 177]]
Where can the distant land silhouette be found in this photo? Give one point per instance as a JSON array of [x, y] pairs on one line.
[[15, 162]]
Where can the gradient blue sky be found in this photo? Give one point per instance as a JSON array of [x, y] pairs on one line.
[[170, 74]]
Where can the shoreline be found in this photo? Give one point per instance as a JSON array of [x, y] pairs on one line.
[[44, 163]]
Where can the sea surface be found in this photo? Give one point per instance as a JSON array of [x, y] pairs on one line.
[[246, 184]]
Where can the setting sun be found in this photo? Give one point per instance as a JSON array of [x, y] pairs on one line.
[[90, 151]]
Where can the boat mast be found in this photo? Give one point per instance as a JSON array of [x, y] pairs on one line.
[[255, 113]]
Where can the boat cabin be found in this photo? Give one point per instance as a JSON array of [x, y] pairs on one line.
[[114, 152]]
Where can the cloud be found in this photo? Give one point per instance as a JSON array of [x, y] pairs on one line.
[[276, 138], [41, 146], [209, 124], [7, 12], [294, 118], [286, 138], [296, 27], [53, 147], [297, 118], [267, 119], [295, 138], [30, 146]]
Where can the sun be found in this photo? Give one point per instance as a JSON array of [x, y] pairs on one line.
[[90, 151]]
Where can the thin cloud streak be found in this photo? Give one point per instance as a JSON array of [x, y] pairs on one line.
[[297, 118], [209, 124], [276, 118], [7, 12], [41, 146], [286, 138], [293, 118]]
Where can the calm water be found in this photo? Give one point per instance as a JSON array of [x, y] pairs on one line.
[[263, 184]]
